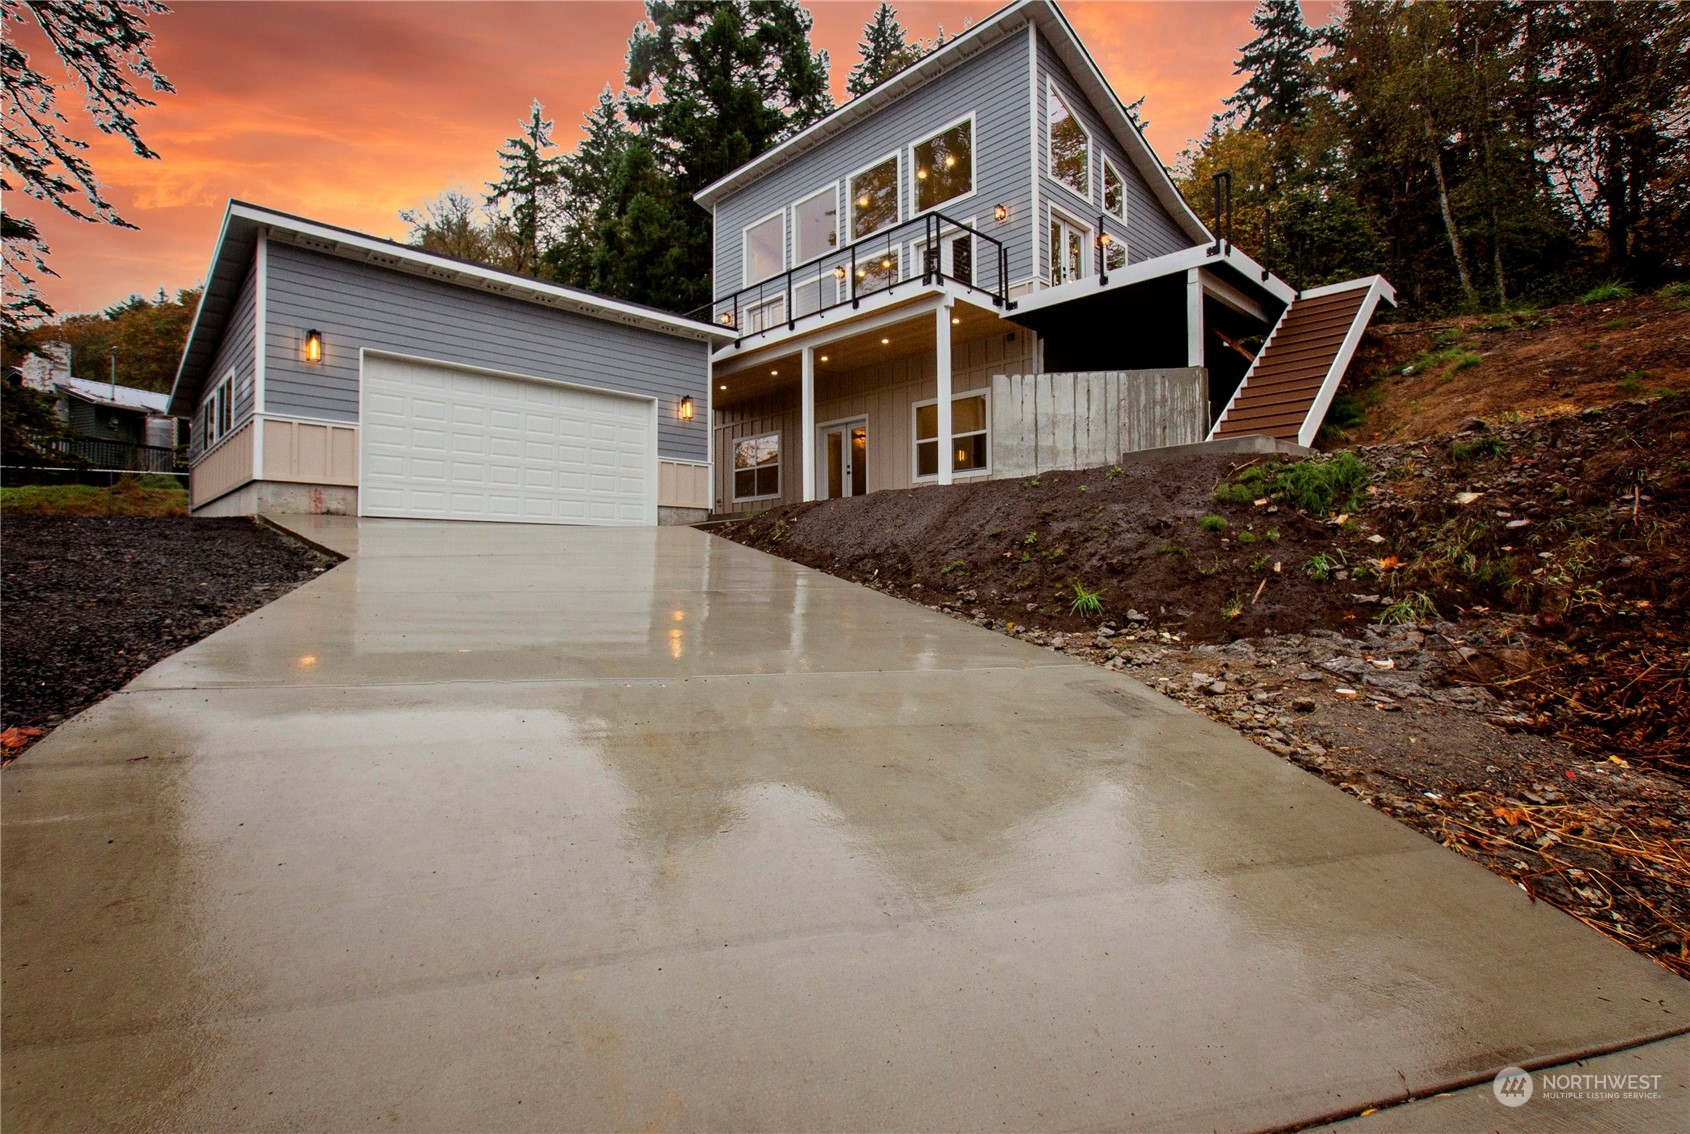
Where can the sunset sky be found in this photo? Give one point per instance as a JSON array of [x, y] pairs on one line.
[[349, 112]]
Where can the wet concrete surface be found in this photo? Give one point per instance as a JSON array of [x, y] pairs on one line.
[[510, 827]]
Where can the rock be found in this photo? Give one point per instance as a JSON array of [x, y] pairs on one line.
[[1303, 705], [1472, 425], [1309, 675], [1517, 524], [1260, 696], [1466, 497], [1215, 689], [1198, 677]]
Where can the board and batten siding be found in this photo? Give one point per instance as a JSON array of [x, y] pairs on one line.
[[885, 394], [1150, 231], [237, 353], [358, 305], [992, 86]]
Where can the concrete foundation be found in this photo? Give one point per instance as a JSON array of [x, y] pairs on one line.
[[682, 516], [1081, 420], [276, 496], [1251, 443]]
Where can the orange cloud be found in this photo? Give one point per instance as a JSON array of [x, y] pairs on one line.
[[349, 112]]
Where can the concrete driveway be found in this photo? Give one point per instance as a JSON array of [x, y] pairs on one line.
[[502, 827]]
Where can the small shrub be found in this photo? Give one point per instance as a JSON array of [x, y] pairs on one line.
[[1463, 451], [1212, 523], [1323, 565], [1679, 290], [1604, 292], [1416, 606], [1032, 538], [1317, 485], [1272, 535], [1034, 483], [779, 529], [1630, 384], [1246, 536], [1260, 562], [1115, 473], [1086, 604], [1462, 360], [1233, 607]]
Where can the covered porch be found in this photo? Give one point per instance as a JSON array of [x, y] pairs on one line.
[[860, 406]]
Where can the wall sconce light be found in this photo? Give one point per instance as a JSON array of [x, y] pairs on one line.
[[1001, 212], [1105, 240], [313, 346], [726, 319], [839, 272], [686, 408]]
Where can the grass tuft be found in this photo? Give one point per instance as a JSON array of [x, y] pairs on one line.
[[1604, 292]]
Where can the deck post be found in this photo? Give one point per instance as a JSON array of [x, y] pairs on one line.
[[942, 364], [1193, 317], [807, 422]]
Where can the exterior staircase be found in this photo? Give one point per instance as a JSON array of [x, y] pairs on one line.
[[1289, 386]]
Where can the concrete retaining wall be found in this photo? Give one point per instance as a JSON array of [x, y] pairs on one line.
[[1082, 420]]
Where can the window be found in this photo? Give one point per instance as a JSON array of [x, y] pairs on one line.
[[956, 254], [757, 467], [765, 248], [1070, 147], [764, 315], [878, 270], [1067, 250], [815, 225], [874, 198], [217, 415], [1114, 190], [944, 166], [968, 436], [1114, 256]]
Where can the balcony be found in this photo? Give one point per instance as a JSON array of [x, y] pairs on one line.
[[926, 250]]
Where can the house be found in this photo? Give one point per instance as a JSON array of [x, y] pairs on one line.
[[111, 426], [332, 371], [979, 268]]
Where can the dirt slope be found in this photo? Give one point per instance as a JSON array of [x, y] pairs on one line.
[[1496, 367]]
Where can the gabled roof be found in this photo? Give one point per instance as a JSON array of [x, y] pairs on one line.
[[120, 397], [1054, 26], [233, 257]]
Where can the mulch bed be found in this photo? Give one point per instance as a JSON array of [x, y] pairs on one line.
[[87, 603], [1534, 718]]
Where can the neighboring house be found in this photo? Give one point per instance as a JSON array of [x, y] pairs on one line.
[[111, 426], [331, 371], [979, 268]]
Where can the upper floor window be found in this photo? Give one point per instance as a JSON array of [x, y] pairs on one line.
[[874, 198], [815, 225], [1114, 190], [944, 166], [1070, 147], [765, 248]]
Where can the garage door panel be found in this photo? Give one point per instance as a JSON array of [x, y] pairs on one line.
[[442, 442]]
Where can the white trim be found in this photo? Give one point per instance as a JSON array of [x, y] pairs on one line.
[[942, 359], [1036, 217], [1173, 263], [883, 308], [896, 156], [807, 422], [1194, 329], [260, 309], [199, 308], [745, 249], [509, 283], [307, 420], [915, 441], [733, 489], [1091, 144], [799, 261], [682, 461], [1088, 241], [973, 164], [1109, 167], [1222, 292], [1376, 288]]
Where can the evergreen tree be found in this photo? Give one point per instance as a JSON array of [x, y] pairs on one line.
[[587, 178], [526, 190], [103, 45], [1276, 65], [883, 51]]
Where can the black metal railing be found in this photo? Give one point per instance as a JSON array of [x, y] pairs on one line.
[[929, 248]]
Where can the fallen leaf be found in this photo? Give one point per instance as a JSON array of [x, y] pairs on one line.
[[1513, 816], [18, 736]]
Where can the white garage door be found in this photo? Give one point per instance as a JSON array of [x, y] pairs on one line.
[[446, 443]]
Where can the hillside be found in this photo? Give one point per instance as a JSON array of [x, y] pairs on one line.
[[1414, 380]]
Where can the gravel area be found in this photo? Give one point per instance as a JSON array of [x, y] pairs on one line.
[[87, 603]]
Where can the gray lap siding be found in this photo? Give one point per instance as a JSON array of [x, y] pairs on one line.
[[992, 86], [358, 305], [235, 353], [1149, 230]]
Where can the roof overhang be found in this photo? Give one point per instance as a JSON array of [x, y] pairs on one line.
[[1048, 18], [245, 224], [1229, 266]]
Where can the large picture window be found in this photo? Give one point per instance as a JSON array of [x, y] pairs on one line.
[[765, 248], [1070, 147], [874, 198], [944, 166], [815, 225], [968, 436], [757, 467], [1114, 190]]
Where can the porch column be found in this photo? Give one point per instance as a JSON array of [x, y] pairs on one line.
[[942, 363], [807, 422], [1193, 317]]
